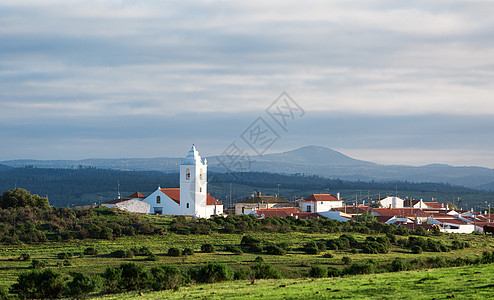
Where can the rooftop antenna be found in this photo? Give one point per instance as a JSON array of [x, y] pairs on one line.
[[118, 189]]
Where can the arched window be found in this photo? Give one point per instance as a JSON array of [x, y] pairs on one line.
[[187, 174], [200, 174], [158, 199], [187, 205], [200, 190]]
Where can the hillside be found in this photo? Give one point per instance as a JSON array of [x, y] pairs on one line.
[[82, 186], [310, 160]]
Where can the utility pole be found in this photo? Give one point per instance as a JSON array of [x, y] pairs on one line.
[[279, 191]]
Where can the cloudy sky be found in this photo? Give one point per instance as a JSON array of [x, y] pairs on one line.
[[395, 82]]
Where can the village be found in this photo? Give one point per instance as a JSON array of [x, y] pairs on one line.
[[192, 199]]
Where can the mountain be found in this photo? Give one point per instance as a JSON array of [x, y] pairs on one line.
[[313, 160]]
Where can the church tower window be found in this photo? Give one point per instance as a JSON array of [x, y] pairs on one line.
[[187, 174], [158, 199]]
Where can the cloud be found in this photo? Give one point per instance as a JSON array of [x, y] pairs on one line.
[[67, 62]]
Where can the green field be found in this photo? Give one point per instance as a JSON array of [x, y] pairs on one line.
[[473, 282], [295, 264]]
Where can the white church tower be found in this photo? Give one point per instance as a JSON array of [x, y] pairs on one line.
[[193, 185]]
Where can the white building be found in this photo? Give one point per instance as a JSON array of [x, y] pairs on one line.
[[392, 202], [132, 203], [320, 203], [191, 199]]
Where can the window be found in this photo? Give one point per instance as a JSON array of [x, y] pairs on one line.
[[187, 174], [187, 205], [200, 190], [200, 174], [158, 199], [309, 208], [158, 210]]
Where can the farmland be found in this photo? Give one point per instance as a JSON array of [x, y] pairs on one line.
[[295, 264]]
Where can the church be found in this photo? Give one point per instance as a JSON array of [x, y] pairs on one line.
[[191, 199]]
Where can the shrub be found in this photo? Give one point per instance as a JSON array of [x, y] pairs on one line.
[[374, 248], [127, 277], [328, 255], [334, 272], [25, 257], [143, 251], [262, 270], [241, 274], [152, 257], [234, 249], [318, 272], [90, 251], [360, 268], [40, 284], [67, 262], [64, 255], [311, 248], [212, 272], [188, 251], [38, 264], [416, 249], [346, 260], [82, 284], [207, 248], [399, 264], [122, 253], [166, 277], [174, 252], [275, 250], [248, 240]]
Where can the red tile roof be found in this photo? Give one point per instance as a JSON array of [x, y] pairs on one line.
[[321, 197], [451, 221], [401, 212], [434, 204], [278, 211], [174, 194]]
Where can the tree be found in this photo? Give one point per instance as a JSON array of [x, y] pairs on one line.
[[21, 198], [43, 284]]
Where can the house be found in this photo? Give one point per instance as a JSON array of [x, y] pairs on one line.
[[435, 205], [452, 225], [132, 203], [391, 202], [259, 202], [320, 203], [191, 199], [414, 214], [414, 203]]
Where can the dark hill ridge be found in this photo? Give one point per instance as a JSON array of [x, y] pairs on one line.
[[314, 160]]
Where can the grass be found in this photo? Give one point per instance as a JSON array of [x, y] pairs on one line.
[[472, 282]]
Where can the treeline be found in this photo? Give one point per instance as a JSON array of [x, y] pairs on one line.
[[70, 185]]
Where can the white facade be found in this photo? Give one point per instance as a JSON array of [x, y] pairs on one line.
[[193, 185], [319, 206], [392, 202], [191, 199]]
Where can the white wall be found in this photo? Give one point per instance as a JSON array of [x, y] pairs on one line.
[[393, 202], [134, 205], [168, 205], [320, 206]]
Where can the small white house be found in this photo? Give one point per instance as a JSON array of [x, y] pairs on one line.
[[320, 203], [452, 225], [392, 202]]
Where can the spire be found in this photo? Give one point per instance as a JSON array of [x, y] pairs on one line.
[[193, 157]]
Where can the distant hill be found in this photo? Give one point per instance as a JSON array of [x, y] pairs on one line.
[[4, 167], [312, 160]]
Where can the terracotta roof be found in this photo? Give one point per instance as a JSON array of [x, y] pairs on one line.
[[352, 210], [321, 197], [451, 221], [410, 203], [434, 204], [383, 219], [264, 199], [278, 211], [401, 212], [174, 194]]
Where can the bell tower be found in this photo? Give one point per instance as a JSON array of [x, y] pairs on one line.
[[193, 184]]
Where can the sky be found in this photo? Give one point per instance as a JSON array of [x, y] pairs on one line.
[[393, 82]]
